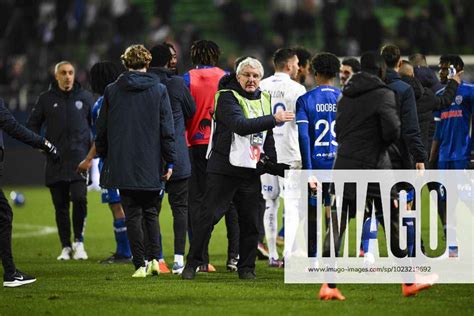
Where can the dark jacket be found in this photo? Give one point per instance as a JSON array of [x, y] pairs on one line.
[[183, 108], [409, 149], [67, 119], [428, 78], [134, 131], [9, 125], [426, 103], [366, 123], [231, 119]]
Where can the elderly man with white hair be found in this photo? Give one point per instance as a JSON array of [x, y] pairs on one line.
[[242, 136]]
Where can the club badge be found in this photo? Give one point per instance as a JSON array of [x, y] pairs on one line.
[[79, 104]]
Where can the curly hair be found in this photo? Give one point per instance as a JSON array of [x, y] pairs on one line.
[[452, 59], [102, 74], [136, 57], [326, 64], [204, 52]]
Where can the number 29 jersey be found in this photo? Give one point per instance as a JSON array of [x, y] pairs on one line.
[[316, 119]]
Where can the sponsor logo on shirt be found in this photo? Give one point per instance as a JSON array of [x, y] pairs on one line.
[[450, 114]]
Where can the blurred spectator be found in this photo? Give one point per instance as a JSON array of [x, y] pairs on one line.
[[282, 17], [363, 29], [330, 32], [44, 31], [163, 10], [304, 19], [406, 30]]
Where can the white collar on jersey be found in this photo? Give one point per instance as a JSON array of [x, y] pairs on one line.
[[281, 74]]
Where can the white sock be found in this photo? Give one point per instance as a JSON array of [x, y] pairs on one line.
[[179, 259], [270, 222]]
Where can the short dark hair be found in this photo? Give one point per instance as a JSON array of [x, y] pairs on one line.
[[160, 54], [281, 57], [373, 63], [326, 64], [352, 62], [102, 74], [204, 52], [391, 54], [452, 59], [418, 60], [304, 56]]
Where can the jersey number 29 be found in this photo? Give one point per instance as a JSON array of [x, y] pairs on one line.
[[326, 127]]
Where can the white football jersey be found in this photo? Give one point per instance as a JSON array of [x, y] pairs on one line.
[[284, 92]]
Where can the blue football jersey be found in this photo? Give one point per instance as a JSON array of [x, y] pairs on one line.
[[95, 113], [454, 125], [316, 119]]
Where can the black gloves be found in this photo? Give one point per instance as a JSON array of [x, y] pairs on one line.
[[266, 165], [50, 150]]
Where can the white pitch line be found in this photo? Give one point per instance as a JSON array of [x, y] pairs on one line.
[[37, 230]]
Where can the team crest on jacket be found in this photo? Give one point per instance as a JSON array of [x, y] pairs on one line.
[[458, 99], [79, 104]]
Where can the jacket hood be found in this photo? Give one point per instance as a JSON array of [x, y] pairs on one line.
[[230, 82], [427, 77], [137, 81], [416, 85], [391, 75], [360, 83], [161, 72]]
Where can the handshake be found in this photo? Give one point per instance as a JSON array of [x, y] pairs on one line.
[[266, 165], [50, 150]]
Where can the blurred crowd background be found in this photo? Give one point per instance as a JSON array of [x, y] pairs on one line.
[[35, 34]]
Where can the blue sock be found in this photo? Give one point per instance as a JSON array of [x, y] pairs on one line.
[[120, 231], [281, 233], [161, 249], [410, 223], [367, 234]]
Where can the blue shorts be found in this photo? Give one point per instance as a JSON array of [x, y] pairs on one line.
[[110, 196], [453, 165]]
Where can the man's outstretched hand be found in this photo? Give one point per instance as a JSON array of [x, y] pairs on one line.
[[51, 151]]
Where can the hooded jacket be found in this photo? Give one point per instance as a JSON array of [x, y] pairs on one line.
[[366, 123], [409, 148], [67, 118], [134, 131], [426, 103], [230, 119], [428, 78], [183, 108]]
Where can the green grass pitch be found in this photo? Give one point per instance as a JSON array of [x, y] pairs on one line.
[[89, 288]]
